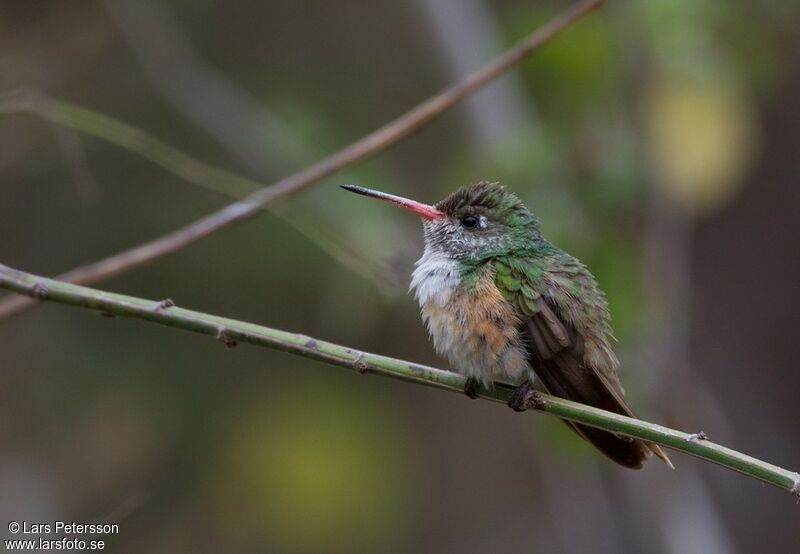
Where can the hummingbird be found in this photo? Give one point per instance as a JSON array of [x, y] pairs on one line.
[[503, 304]]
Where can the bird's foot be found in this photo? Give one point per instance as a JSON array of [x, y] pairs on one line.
[[525, 397], [471, 387]]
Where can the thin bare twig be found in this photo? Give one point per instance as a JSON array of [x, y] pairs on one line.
[[369, 145]]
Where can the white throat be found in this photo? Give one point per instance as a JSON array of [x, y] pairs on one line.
[[435, 277]]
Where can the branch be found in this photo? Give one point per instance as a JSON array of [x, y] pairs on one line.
[[365, 147], [192, 170], [128, 137], [231, 331]]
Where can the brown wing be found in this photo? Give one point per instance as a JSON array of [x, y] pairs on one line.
[[557, 357]]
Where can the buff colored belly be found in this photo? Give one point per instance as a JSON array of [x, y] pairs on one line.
[[477, 330]]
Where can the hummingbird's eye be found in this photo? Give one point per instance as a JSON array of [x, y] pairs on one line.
[[470, 221]]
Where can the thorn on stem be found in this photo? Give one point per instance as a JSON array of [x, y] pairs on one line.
[[164, 304], [796, 487], [226, 340], [40, 291], [699, 436], [360, 364]]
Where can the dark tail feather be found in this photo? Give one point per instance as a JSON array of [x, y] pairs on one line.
[[563, 377], [626, 452]]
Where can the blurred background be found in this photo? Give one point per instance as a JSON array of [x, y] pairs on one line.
[[657, 141]]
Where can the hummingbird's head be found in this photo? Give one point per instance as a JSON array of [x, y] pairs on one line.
[[474, 223]]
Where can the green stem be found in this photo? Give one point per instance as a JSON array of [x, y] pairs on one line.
[[128, 137], [192, 170], [231, 331]]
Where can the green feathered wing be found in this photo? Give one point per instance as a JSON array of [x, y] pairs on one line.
[[550, 303]]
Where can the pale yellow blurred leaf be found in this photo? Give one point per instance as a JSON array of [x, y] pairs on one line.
[[701, 140]]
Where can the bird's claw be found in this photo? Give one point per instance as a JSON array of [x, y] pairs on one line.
[[471, 387]]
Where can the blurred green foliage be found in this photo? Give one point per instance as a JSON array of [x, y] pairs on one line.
[[643, 100], [317, 467]]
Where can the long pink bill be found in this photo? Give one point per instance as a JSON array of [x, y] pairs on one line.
[[423, 210]]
